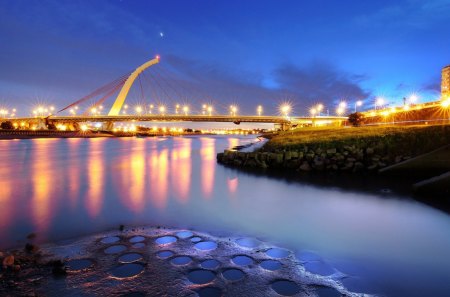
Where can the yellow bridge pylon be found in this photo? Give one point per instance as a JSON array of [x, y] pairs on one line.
[[118, 103]]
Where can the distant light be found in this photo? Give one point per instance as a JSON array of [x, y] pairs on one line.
[[380, 101], [161, 34], [359, 103], [342, 104], [157, 57], [413, 98], [285, 109]]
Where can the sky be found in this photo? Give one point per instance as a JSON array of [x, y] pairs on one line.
[[229, 52]]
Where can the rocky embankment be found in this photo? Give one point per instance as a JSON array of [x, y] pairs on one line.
[[356, 153]]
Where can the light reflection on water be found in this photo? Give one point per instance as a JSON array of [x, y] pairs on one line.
[[61, 188]]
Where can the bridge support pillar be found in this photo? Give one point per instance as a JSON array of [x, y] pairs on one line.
[[108, 126], [283, 126]]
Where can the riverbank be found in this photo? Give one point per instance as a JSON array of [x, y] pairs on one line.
[[154, 261], [350, 150]]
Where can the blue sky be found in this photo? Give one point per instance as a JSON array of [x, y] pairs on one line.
[[243, 52]]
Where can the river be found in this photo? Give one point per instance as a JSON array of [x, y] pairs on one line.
[[64, 188]]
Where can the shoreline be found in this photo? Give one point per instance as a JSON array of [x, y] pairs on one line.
[[319, 154]]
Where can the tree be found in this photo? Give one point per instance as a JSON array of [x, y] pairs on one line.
[[356, 119], [7, 125]]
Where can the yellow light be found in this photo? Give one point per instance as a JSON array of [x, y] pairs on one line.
[[319, 107], [204, 106], [445, 103], [285, 109], [138, 109], [406, 107], [186, 109], [162, 109], [84, 127], [312, 111]]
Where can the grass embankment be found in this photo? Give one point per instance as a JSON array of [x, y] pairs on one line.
[[406, 140]]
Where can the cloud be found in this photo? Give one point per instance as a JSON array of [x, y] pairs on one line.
[[321, 82], [318, 82]]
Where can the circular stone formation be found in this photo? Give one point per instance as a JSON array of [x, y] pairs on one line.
[[127, 270], [200, 276], [115, 249], [136, 239], [78, 264], [166, 239], [206, 245], [181, 260], [209, 292], [210, 264], [130, 257], [277, 253], [165, 254], [110, 239], [233, 274], [248, 242], [242, 260], [196, 239], [271, 265], [184, 234], [139, 245], [285, 287]]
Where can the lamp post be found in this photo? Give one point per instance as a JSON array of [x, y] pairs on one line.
[[358, 103]]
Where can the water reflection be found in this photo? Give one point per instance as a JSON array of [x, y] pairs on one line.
[[208, 155], [42, 203], [159, 175], [180, 168], [95, 175], [51, 186]]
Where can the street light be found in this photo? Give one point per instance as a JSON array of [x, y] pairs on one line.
[[138, 110], [233, 110], [210, 109], [285, 109], [259, 110], [162, 109], [185, 109], [379, 102], [358, 103]]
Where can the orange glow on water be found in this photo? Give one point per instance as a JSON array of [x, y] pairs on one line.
[[159, 173], [180, 168], [43, 182], [208, 156], [6, 193], [137, 182], [232, 184], [73, 173], [95, 177]]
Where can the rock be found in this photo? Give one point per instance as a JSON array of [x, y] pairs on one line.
[[8, 261], [58, 268], [305, 167], [331, 151], [220, 157], [237, 162], [287, 155], [31, 248], [370, 151]]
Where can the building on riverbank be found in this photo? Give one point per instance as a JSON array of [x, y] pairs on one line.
[[445, 83]]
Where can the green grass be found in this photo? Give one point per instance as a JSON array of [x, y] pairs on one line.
[[331, 136]]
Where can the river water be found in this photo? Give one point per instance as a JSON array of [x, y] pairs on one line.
[[63, 188]]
